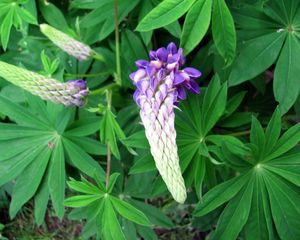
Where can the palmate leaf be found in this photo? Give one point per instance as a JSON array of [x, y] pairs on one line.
[[267, 33], [269, 192], [35, 151], [194, 124], [100, 204]]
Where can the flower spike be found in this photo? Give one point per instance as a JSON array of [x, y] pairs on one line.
[[70, 93], [160, 86], [71, 46]]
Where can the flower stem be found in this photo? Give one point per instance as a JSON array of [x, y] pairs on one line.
[[118, 59], [103, 89], [243, 133]]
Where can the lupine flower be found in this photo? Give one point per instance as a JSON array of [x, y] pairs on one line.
[[160, 86], [71, 46], [70, 93]]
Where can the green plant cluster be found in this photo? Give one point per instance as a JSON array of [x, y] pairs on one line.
[[237, 140]]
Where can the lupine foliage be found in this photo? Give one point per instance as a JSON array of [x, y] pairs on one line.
[[92, 129]]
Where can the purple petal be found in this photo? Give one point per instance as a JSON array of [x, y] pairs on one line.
[[180, 78], [142, 85], [172, 48], [162, 54], [150, 71], [152, 55], [181, 95], [136, 94], [141, 63], [192, 72], [194, 87], [81, 84], [156, 64], [139, 74]]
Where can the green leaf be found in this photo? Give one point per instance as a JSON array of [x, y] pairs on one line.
[[109, 131], [82, 160], [41, 201], [6, 27], [129, 212], [112, 181], [259, 217], [214, 105], [90, 145], [273, 131], [83, 127], [220, 194], [286, 77], [11, 168], [257, 136], [195, 25], [111, 228], [153, 214], [263, 50], [235, 215], [163, 14], [53, 15], [20, 114], [82, 200], [27, 183], [137, 140], [26, 16], [57, 178], [223, 31], [287, 141], [83, 186], [285, 207], [174, 29], [144, 163]]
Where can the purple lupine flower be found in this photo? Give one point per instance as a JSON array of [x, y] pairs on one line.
[[70, 93], [160, 86]]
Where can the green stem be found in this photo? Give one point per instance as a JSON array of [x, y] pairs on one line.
[[118, 59], [86, 75], [103, 89], [243, 133]]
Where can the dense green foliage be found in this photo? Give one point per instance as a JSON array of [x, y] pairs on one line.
[[237, 141]]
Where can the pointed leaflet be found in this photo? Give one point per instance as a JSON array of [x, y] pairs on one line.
[[109, 131], [220, 194], [196, 24], [129, 212], [223, 31], [82, 160], [57, 178], [287, 141], [256, 227], [20, 114], [111, 228], [82, 200], [27, 183], [235, 215], [41, 200], [163, 14], [286, 78], [263, 50], [273, 131], [285, 207]]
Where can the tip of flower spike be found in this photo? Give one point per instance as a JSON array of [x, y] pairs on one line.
[[80, 92], [164, 67]]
